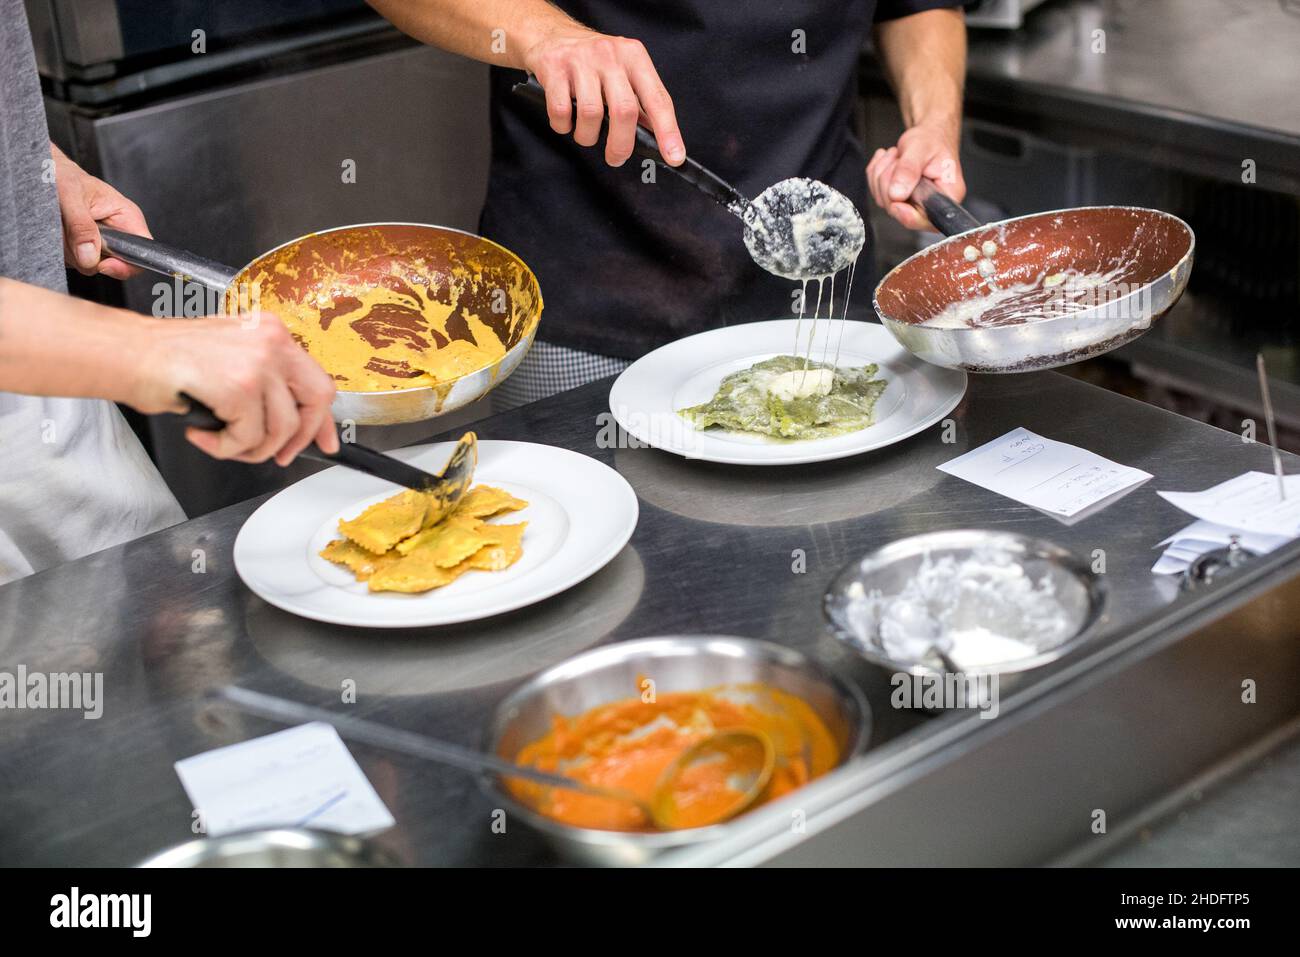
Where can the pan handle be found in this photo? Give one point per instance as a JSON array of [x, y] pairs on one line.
[[359, 457], [200, 416], [948, 216], [168, 260], [703, 179]]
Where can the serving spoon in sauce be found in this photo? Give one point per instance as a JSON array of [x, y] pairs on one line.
[[714, 779], [796, 229], [674, 804]]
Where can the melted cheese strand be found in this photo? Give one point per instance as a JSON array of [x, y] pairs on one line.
[[848, 291]]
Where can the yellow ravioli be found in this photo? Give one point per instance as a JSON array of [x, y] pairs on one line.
[[484, 501], [447, 543], [361, 562], [417, 572], [393, 546], [502, 551], [386, 523]]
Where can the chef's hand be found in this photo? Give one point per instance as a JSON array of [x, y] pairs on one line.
[[84, 202], [923, 151], [273, 397], [604, 74]]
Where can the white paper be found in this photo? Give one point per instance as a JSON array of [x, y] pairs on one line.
[[1249, 502], [302, 777], [1191, 542], [1217, 536], [1167, 564], [1053, 476]]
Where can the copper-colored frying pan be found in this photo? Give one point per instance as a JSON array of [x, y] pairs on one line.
[[419, 262], [1146, 254]]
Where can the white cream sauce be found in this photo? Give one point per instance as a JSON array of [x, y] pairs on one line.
[[1049, 296]]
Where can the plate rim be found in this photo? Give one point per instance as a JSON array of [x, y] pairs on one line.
[[602, 558], [803, 459]]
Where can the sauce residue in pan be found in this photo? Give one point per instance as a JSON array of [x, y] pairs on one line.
[[386, 337], [1101, 261], [398, 306], [628, 744], [1049, 296]]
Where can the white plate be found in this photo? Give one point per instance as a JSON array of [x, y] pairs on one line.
[[646, 397], [580, 515]]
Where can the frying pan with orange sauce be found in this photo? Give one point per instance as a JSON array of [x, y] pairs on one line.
[[411, 320], [940, 307]]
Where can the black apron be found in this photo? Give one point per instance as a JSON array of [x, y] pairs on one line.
[[625, 265]]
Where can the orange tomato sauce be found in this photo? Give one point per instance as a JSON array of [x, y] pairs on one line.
[[628, 744]]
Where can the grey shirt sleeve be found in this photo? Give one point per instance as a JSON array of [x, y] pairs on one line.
[[31, 238]]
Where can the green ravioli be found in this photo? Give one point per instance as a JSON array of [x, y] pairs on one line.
[[744, 404]]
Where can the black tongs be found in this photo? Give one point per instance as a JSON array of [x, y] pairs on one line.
[[449, 486], [701, 177]]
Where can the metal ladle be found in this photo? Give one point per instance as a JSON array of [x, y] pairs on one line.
[[757, 757], [803, 229], [796, 229], [659, 810]]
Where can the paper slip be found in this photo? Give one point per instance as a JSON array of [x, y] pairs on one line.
[[1190, 543], [302, 777], [1168, 564], [1217, 536], [1249, 502], [1045, 474]]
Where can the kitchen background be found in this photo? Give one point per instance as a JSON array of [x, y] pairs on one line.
[[1190, 106]]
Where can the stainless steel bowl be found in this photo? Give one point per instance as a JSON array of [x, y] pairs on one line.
[[279, 847], [887, 570], [677, 663]]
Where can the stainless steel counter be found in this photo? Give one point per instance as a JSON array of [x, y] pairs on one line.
[[713, 553], [1195, 85], [1223, 60]]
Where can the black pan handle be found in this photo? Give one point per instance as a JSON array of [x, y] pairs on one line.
[[702, 178], [948, 216], [359, 457], [198, 416], [168, 260]]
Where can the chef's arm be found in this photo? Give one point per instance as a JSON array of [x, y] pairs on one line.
[[924, 59], [602, 74], [273, 398]]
